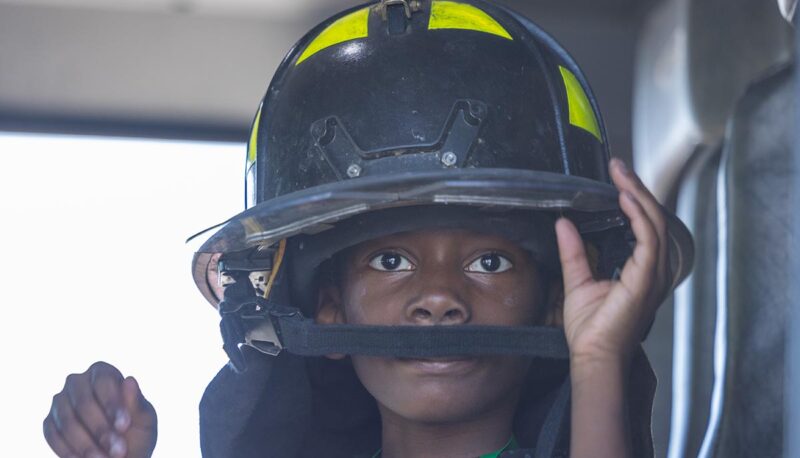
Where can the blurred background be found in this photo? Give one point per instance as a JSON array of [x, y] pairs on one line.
[[122, 132]]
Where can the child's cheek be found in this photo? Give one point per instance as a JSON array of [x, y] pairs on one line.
[[369, 302], [512, 303], [355, 302], [519, 307]]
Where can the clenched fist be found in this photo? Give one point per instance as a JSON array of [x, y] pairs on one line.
[[101, 414]]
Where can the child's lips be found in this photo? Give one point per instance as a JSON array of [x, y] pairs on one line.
[[441, 366]]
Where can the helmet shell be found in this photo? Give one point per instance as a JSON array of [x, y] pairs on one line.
[[394, 100]]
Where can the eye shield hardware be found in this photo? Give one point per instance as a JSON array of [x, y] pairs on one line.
[[346, 159]]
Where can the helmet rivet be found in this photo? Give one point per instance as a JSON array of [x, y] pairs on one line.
[[449, 159], [354, 171], [477, 110], [318, 130]]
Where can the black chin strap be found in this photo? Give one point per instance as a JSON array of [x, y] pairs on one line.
[[304, 337], [272, 328]]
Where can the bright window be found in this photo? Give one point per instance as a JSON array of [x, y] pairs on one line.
[[95, 267]]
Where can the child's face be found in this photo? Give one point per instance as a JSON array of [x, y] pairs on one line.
[[438, 277]]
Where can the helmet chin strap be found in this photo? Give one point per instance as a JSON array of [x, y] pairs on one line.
[[272, 328]]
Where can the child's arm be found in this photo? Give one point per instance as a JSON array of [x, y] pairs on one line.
[[605, 321]]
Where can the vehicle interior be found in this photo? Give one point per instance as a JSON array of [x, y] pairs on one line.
[[700, 95]]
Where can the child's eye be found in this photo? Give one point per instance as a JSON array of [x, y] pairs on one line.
[[490, 263], [391, 262]]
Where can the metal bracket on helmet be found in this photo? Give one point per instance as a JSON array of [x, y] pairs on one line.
[[348, 160], [264, 336], [255, 323], [410, 7]]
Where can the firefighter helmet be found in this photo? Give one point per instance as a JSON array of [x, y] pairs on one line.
[[421, 104]]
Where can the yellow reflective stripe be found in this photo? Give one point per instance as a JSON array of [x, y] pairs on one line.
[[581, 113], [454, 15], [354, 25], [252, 145]]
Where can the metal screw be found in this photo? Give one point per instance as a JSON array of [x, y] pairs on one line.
[[354, 171], [449, 159]]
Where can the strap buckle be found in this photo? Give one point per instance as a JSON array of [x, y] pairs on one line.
[[265, 335]]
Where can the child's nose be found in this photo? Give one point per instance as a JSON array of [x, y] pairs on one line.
[[438, 308]]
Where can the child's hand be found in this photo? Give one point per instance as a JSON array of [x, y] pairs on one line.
[[101, 414], [606, 320]]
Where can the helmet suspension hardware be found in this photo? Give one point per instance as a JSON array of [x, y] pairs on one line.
[[257, 278], [255, 265], [259, 281], [449, 159], [354, 171]]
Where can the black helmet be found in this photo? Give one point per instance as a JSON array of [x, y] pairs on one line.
[[402, 106]]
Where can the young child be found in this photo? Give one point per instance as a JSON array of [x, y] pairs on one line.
[[418, 171]]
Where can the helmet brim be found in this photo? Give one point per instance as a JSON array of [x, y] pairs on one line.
[[593, 205]]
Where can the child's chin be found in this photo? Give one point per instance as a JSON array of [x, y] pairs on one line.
[[431, 402], [437, 411]]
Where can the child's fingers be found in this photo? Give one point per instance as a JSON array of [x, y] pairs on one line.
[[80, 393], [626, 180], [637, 275], [56, 440], [107, 384], [574, 263], [72, 430]]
